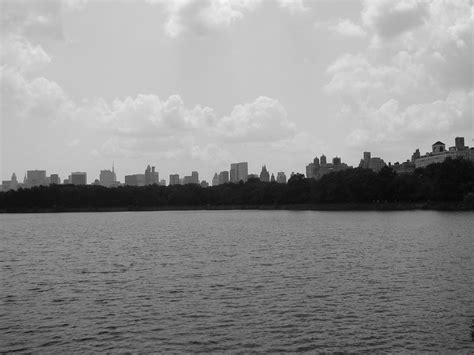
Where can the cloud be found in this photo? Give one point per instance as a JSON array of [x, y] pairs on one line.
[[150, 123], [265, 119], [414, 78], [37, 99], [293, 6], [348, 28], [18, 53], [33, 18], [148, 115], [389, 18], [393, 122], [203, 16]]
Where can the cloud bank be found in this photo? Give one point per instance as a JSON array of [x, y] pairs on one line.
[[414, 78]]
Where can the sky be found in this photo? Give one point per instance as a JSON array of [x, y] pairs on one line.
[[189, 85]]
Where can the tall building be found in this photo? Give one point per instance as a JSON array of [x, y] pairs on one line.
[[194, 177], [310, 171], [375, 164], [108, 178], [10, 184], [215, 180], [35, 178], [316, 162], [323, 160], [191, 179], [78, 178], [54, 179], [151, 176], [281, 177], [223, 177], [459, 143], [174, 179], [316, 170], [239, 172], [135, 180], [272, 179], [264, 174], [415, 155], [439, 153]]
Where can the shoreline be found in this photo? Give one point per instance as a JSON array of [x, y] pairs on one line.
[[426, 206]]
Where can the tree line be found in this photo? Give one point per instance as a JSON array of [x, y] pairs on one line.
[[450, 181]]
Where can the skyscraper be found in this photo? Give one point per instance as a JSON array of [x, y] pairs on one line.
[[223, 177], [310, 170], [78, 178], [281, 177], [10, 184], [174, 179], [264, 174], [323, 160], [54, 179], [194, 177], [151, 176], [215, 180], [36, 178], [108, 178], [238, 172], [372, 163]]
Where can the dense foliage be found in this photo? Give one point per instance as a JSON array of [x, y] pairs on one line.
[[450, 181]]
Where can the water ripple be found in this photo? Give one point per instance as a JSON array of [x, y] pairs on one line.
[[237, 281]]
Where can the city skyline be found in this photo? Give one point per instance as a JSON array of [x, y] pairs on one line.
[[239, 171], [188, 85]]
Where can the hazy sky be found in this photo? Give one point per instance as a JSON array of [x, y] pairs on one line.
[[195, 85]]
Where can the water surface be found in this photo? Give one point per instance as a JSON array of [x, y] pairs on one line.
[[239, 281]]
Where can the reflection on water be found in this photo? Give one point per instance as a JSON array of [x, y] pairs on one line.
[[250, 281]]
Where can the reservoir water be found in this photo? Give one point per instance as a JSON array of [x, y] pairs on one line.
[[237, 281]]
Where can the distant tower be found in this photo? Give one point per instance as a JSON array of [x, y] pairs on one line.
[[273, 178], [459, 143], [323, 160], [14, 178], [264, 175], [215, 180], [415, 155], [316, 162]]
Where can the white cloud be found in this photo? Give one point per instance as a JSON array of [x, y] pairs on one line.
[[18, 53], [265, 119], [37, 99], [202, 16], [415, 77], [33, 18], [393, 122], [348, 28], [293, 6], [389, 18]]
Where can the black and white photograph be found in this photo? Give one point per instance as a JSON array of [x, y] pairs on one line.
[[236, 176]]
